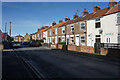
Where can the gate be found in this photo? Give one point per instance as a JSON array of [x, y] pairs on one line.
[[97, 47]]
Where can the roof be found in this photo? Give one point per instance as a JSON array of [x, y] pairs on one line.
[[57, 25], [44, 29], [100, 13], [73, 21], [114, 9], [19, 36]]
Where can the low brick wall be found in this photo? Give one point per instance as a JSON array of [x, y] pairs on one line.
[[72, 47], [110, 52], [104, 51], [53, 45], [62, 46], [1, 46], [86, 49]]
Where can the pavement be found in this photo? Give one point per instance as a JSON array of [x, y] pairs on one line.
[[53, 64]]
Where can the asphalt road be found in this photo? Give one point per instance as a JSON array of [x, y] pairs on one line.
[[47, 63]]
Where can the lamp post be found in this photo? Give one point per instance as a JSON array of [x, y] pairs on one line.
[[90, 35]]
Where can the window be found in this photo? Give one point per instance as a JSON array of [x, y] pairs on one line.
[[118, 18], [63, 30], [82, 26], [50, 32], [98, 39], [50, 39], [82, 39], [118, 38], [63, 39], [97, 23], [72, 39], [72, 28], [38, 35], [56, 31]]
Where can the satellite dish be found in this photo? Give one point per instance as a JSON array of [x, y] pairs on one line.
[[100, 31]]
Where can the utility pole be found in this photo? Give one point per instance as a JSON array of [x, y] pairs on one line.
[[10, 28], [5, 31], [5, 26]]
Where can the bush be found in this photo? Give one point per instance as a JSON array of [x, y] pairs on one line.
[[61, 43], [40, 41]]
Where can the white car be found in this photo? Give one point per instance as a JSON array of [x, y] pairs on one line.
[[16, 44]]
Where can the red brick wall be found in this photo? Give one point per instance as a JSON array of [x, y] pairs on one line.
[[86, 49], [60, 46], [72, 47]]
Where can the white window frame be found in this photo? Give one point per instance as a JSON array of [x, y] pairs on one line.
[[56, 31], [72, 28], [50, 32], [72, 39], [63, 39], [82, 26], [63, 29], [82, 39], [118, 16]]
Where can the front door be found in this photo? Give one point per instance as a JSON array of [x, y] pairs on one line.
[[77, 40], [67, 41]]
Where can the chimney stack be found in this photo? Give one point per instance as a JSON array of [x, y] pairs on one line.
[[96, 8], [60, 21], [54, 23], [67, 18], [85, 12], [75, 16], [112, 3]]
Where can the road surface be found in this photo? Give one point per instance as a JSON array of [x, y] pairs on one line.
[[45, 63]]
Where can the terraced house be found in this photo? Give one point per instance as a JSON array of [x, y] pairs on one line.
[[82, 33]]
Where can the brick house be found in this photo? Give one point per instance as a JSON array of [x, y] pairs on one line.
[[27, 37], [18, 38], [43, 34], [53, 32]]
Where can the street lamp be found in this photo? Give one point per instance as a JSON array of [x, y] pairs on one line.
[[90, 35]]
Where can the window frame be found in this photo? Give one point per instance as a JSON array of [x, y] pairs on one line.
[[72, 28], [72, 40], [118, 16], [56, 31], [82, 39], [63, 29], [82, 26], [96, 22]]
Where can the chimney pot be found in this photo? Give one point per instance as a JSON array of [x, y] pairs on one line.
[[67, 18], [85, 12], [75, 16], [54, 23], [60, 21], [112, 3], [96, 8]]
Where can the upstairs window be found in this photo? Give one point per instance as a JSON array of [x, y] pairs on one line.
[[97, 23], [72, 28], [56, 31], [72, 39], [63, 39], [63, 30], [118, 18], [50, 32], [82, 26], [82, 39]]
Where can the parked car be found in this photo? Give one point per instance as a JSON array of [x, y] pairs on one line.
[[34, 44], [25, 43], [16, 45]]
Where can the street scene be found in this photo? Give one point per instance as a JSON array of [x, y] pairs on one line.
[[60, 40]]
